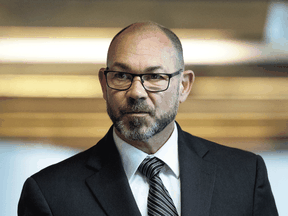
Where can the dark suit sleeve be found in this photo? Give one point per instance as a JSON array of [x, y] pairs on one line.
[[32, 202], [264, 203]]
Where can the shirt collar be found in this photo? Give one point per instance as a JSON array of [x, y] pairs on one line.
[[133, 157]]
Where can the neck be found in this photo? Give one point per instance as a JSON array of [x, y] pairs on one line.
[[153, 144]]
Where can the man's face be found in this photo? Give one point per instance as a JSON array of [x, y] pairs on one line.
[[136, 113]]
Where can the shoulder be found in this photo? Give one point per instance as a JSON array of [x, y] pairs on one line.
[[79, 164], [68, 168], [230, 162], [219, 154]]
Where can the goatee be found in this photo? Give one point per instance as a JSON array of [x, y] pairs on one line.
[[140, 128]]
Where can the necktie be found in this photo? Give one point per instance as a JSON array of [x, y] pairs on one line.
[[159, 200]]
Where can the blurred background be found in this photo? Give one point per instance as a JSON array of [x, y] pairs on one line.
[[51, 104]]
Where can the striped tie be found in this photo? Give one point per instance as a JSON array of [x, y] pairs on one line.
[[159, 200]]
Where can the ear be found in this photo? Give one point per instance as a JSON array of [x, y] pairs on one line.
[[187, 81], [102, 80]]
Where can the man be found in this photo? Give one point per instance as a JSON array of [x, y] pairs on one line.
[[146, 165]]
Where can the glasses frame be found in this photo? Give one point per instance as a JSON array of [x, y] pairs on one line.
[[142, 81]]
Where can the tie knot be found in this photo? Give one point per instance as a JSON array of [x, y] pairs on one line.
[[151, 167]]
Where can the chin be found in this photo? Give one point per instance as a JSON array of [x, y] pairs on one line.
[[136, 131]]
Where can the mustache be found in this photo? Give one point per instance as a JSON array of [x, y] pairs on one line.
[[138, 107]]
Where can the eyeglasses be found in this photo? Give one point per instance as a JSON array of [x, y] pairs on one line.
[[152, 82]]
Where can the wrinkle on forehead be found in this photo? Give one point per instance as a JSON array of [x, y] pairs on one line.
[[139, 45]]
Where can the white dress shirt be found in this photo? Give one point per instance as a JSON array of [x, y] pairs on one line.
[[170, 174]]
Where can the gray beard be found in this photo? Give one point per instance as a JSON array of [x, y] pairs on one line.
[[135, 129]]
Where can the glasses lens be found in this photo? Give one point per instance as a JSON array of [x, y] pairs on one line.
[[151, 82], [155, 82], [119, 80]]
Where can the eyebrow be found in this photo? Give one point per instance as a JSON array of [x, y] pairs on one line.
[[121, 65], [125, 67], [154, 68]]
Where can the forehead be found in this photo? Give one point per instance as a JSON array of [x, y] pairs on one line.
[[142, 49]]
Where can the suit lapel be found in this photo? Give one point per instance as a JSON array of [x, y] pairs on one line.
[[109, 183], [197, 176]]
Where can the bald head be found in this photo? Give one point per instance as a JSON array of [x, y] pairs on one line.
[[150, 29]]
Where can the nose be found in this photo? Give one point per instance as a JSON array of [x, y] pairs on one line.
[[137, 90]]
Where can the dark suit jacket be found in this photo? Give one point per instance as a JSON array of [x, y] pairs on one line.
[[215, 181]]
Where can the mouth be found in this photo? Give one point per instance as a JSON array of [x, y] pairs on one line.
[[136, 113]]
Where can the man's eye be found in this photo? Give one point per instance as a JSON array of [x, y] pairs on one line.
[[156, 77], [120, 75]]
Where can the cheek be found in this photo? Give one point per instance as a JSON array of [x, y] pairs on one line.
[[115, 99], [168, 102], [165, 103], [171, 96]]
